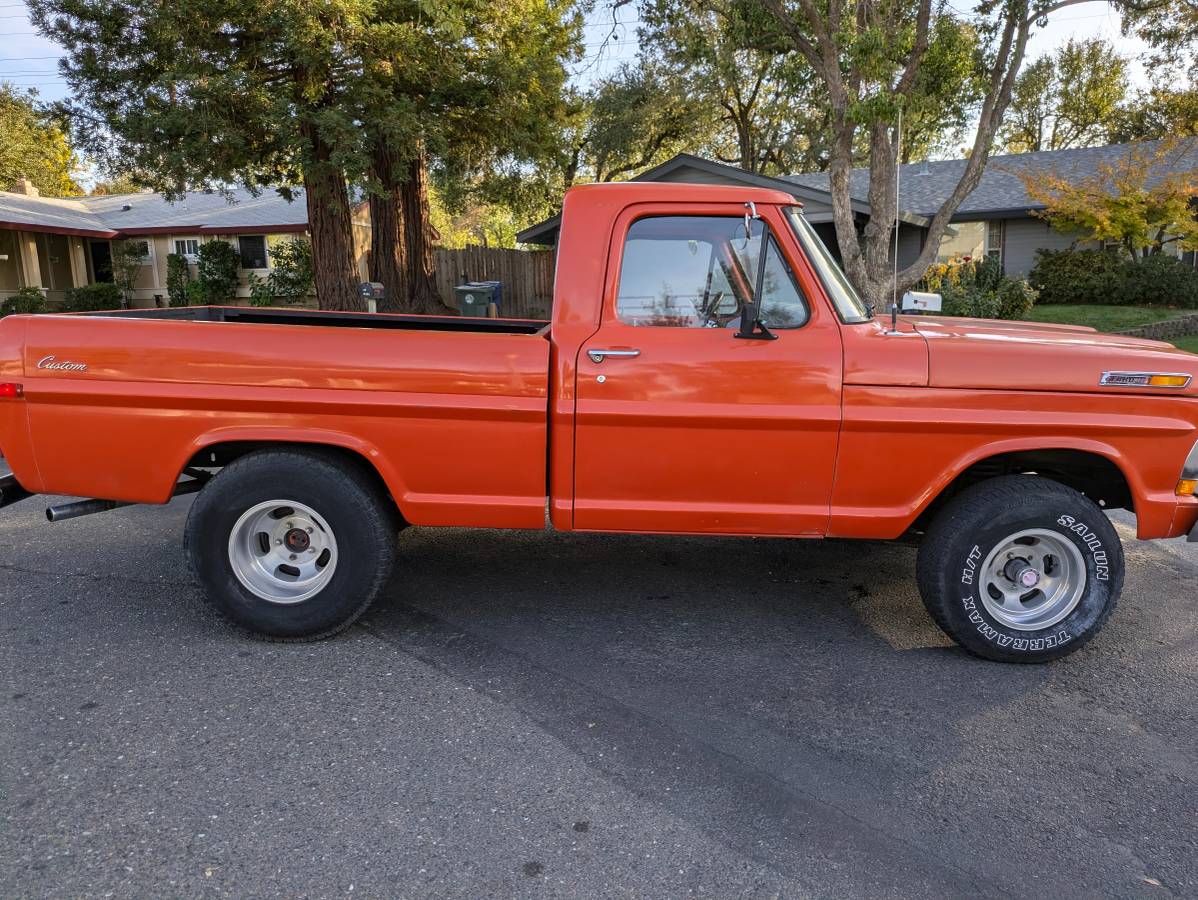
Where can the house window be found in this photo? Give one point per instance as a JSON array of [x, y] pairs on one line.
[[253, 251], [188, 247], [995, 232]]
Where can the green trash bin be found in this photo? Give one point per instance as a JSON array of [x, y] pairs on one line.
[[474, 298]]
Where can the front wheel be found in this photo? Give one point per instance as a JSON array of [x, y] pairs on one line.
[[291, 544], [1020, 569]]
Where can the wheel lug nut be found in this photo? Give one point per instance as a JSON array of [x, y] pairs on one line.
[[278, 540], [310, 530], [293, 556]]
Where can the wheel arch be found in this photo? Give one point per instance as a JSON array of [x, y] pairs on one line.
[[218, 449], [1093, 470]]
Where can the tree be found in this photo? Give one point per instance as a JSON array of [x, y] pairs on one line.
[[1170, 27], [1071, 98], [868, 56], [456, 89], [119, 184], [1156, 113], [767, 108], [127, 260], [218, 92], [33, 145], [1144, 201]]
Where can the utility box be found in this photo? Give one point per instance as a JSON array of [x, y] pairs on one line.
[[475, 297]]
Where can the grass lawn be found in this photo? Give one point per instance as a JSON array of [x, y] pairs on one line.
[[1189, 342], [1104, 318]]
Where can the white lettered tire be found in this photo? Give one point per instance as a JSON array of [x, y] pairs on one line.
[[1020, 569]]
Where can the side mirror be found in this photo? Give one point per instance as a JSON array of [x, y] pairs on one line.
[[752, 326]]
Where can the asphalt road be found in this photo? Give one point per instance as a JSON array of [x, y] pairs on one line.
[[554, 715]]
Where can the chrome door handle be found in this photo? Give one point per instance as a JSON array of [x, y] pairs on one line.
[[597, 356]]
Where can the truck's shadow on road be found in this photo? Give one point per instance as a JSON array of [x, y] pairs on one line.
[[768, 691]]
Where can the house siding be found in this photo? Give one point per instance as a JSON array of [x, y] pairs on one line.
[[1025, 236]]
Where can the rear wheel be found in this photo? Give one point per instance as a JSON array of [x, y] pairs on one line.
[[1020, 569], [291, 544]]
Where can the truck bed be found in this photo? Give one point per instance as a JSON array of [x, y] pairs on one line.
[[452, 412]]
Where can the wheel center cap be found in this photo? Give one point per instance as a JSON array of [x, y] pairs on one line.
[[297, 540], [1028, 577]]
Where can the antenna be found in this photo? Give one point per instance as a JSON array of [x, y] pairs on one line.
[[898, 174]]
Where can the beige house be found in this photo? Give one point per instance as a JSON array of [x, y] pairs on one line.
[[59, 243]]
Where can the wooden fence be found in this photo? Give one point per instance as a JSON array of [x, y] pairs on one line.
[[526, 275]]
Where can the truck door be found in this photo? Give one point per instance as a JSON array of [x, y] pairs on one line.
[[681, 425]]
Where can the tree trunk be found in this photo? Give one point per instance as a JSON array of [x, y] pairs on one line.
[[331, 225], [419, 236], [388, 246]]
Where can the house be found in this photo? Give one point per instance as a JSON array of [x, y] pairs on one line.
[[996, 220], [60, 243]]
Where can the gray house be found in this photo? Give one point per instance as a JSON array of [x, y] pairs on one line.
[[995, 220]]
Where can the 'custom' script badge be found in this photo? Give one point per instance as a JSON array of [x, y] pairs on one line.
[[57, 365]]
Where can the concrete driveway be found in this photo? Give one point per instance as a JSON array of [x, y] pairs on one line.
[[549, 715]]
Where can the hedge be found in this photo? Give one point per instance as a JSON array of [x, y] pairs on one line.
[[1110, 278]]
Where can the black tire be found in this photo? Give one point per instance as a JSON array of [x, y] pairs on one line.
[[355, 509], [978, 522]]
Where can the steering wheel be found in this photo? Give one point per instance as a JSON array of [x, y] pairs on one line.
[[711, 317]]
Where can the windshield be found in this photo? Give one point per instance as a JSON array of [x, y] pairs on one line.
[[849, 305]]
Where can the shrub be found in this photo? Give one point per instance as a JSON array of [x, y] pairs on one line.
[[217, 270], [194, 294], [26, 300], [291, 277], [1160, 280], [1102, 276], [1078, 276], [178, 276], [91, 297], [978, 288]]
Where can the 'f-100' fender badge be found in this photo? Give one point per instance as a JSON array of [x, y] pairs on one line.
[[66, 365]]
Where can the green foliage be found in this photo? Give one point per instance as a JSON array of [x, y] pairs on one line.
[[290, 280], [33, 144], [25, 301], [1071, 98], [178, 275], [216, 269], [291, 276], [127, 262], [1158, 113], [979, 289], [91, 297], [1077, 276], [1106, 278], [1161, 279], [194, 294]]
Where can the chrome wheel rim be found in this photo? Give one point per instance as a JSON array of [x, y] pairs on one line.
[[283, 551], [1033, 579]]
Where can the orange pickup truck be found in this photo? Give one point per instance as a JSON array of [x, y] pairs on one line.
[[707, 370]]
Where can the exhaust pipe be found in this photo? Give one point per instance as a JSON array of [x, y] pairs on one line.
[[65, 511]]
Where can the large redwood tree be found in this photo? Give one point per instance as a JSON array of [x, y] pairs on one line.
[[215, 93]]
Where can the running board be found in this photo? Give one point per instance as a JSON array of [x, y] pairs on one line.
[[65, 511]]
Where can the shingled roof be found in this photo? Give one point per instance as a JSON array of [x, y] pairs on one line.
[[131, 214], [924, 186]]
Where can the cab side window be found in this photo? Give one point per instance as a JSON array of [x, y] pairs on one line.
[[698, 271]]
